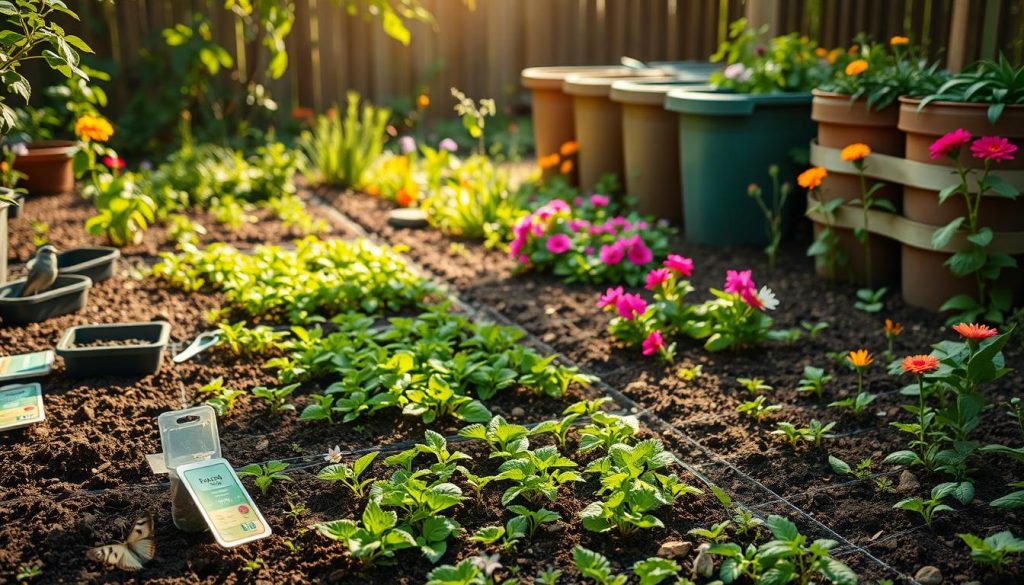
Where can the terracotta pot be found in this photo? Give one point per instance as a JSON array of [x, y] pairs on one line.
[[841, 123], [48, 166], [552, 110], [927, 282], [650, 147]]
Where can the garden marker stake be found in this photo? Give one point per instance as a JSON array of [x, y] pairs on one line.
[[187, 436], [20, 406]]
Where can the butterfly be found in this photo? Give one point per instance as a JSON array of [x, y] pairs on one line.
[[135, 551]]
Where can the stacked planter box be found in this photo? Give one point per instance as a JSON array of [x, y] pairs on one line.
[[924, 279]]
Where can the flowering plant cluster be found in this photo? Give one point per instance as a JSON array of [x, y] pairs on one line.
[[880, 73], [588, 241], [734, 319], [991, 302], [784, 63]]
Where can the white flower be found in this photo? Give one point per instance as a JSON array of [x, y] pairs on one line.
[[20, 149], [767, 298], [487, 563], [333, 455]]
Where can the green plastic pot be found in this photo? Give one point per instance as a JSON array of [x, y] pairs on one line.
[[727, 141]]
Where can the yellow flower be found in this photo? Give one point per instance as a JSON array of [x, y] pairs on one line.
[[856, 67], [423, 101], [855, 152], [95, 128], [892, 328], [812, 177], [860, 358], [898, 40]]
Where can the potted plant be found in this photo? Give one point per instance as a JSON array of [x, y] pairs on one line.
[[758, 105], [984, 100], [858, 104]]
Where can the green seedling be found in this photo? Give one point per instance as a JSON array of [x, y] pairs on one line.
[[221, 398], [595, 567], [265, 475], [276, 398], [376, 537], [757, 409], [716, 533], [813, 329], [534, 519], [814, 381], [856, 404], [754, 386], [994, 551], [929, 508], [870, 301], [350, 476]]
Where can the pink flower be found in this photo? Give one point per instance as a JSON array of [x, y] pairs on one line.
[[612, 254], [738, 281], [449, 145], [578, 225], [630, 306], [577, 201], [749, 296], [524, 259], [637, 251], [516, 246], [589, 250], [557, 205], [599, 201], [653, 343], [949, 144], [656, 277], [993, 148], [679, 264], [641, 225], [407, 144], [558, 244], [610, 298], [522, 229]]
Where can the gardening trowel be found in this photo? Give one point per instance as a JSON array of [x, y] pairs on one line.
[[204, 341]]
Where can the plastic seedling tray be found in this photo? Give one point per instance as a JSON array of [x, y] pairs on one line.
[[68, 294], [98, 263], [137, 359]]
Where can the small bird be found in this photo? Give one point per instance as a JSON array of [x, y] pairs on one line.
[[42, 271]]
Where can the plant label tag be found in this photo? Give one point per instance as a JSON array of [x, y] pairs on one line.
[[26, 365], [21, 405], [225, 505]]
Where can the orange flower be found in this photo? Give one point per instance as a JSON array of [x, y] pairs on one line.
[[821, 52], [406, 196], [569, 149], [3, 166], [372, 190], [975, 331], [892, 328], [549, 161], [812, 177], [833, 55], [898, 40], [566, 167], [95, 128], [860, 358], [856, 67], [302, 114], [423, 101], [853, 50], [855, 152], [920, 364]]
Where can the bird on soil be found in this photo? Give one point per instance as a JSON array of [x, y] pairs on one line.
[[42, 271]]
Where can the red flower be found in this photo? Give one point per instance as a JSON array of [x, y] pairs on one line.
[[920, 364], [114, 163], [994, 148], [975, 331], [949, 144]]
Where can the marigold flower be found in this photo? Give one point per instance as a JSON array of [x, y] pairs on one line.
[[94, 128], [975, 331], [949, 144], [821, 52], [679, 264], [406, 196], [549, 161], [892, 328], [898, 40], [3, 166], [857, 67], [855, 152], [920, 364], [833, 55], [569, 148], [653, 343], [656, 277], [566, 167], [860, 358], [372, 190], [423, 101], [812, 178], [558, 244], [993, 148]]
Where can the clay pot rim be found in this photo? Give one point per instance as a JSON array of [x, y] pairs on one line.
[[907, 100], [647, 92], [551, 78], [585, 85], [48, 150], [887, 117]]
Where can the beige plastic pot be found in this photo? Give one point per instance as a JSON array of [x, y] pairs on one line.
[[650, 146], [841, 123], [48, 167], [552, 109], [927, 282]]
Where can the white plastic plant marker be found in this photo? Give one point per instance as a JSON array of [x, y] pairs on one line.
[[26, 365], [21, 405], [224, 503], [187, 436]]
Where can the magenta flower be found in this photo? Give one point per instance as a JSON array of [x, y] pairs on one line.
[[578, 225], [558, 244], [524, 259], [749, 296], [656, 277], [950, 144], [738, 281], [516, 246], [630, 306], [610, 298], [522, 229], [612, 254], [679, 264], [599, 201], [637, 251], [993, 148], [653, 343], [577, 201]]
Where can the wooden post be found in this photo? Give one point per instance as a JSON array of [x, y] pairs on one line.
[[958, 36], [761, 12]]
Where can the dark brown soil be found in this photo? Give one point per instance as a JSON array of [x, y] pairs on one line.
[[112, 343]]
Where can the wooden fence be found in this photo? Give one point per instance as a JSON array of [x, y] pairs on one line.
[[482, 51]]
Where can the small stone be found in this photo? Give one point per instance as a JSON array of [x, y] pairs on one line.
[[263, 444], [908, 482], [674, 549], [88, 412], [548, 337], [928, 575], [407, 217], [973, 583], [518, 411]]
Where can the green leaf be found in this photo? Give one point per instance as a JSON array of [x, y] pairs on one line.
[[982, 238], [839, 466], [943, 235], [999, 186], [1011, 501], [394, 27]]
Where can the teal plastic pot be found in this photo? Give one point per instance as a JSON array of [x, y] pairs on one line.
[[727, 141]]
